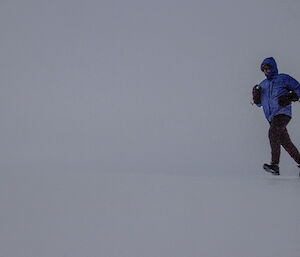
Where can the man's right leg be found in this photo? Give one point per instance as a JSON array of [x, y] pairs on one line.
[[277, 128]]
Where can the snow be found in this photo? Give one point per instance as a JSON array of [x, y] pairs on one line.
[[131, 215], [126, 129]]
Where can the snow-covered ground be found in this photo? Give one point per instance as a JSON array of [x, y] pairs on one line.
[[76, 214]]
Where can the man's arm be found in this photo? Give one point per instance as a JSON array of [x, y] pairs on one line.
[[294, 92], [294, 86]]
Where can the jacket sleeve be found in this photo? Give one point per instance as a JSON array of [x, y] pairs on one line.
[[293, 85]]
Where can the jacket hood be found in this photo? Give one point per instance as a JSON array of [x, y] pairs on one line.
[[274, 71]]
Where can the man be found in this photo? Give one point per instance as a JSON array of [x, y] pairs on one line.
[[275, 95]]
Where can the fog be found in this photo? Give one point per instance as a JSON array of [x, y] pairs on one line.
[[158, 86], [152, 88]]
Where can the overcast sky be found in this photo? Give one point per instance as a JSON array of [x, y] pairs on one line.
[[143, 86]]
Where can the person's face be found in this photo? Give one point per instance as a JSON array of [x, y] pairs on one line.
[[266, 69]]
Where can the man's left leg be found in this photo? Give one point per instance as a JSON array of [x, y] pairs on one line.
[[288, 145]]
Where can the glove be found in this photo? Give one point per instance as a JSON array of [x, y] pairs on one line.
[[256, 93], [285, 100], [293, 96]]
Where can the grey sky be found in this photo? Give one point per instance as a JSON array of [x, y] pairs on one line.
[[148, 86]]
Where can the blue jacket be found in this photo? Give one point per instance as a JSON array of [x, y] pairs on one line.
[[273, 87]]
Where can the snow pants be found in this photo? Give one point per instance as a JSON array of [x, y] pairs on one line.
[[278, 136]]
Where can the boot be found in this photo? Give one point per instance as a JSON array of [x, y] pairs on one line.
[[272, 168]]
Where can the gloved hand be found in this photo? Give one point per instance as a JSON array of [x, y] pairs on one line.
[[256, 93], [285, 100]]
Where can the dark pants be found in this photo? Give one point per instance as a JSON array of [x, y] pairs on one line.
[[278, 135]]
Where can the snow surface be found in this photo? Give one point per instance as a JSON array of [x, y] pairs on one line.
[[150, 215]]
